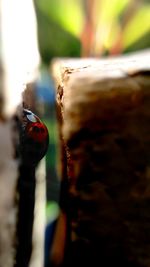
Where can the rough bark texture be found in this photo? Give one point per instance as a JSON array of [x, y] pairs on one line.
[[104, 120]]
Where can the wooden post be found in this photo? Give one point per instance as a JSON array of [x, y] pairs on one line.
[[103, 115]]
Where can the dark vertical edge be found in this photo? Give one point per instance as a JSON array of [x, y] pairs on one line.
[[26, 202]]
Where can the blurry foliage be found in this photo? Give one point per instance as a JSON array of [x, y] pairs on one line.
[[137, 27], [52, 128], [68, 14], [121, 24], [54, 40], [104, 26], [141, 43]]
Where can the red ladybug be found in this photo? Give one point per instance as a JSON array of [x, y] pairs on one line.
[[34, 138]]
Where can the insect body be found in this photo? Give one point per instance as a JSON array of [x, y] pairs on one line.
[[34, 138]]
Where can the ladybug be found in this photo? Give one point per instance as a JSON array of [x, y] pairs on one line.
[[34, 138]]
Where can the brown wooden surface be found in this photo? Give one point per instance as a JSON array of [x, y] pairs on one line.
[[103, 114]]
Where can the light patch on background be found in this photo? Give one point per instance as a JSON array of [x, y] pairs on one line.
[[19, 49]]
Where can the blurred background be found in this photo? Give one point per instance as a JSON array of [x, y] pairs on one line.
[[81, 28], [75, 28]]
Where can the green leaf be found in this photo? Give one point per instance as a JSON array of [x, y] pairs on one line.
[[110, 10], [137, 27], [68, 13], [52, 211]]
